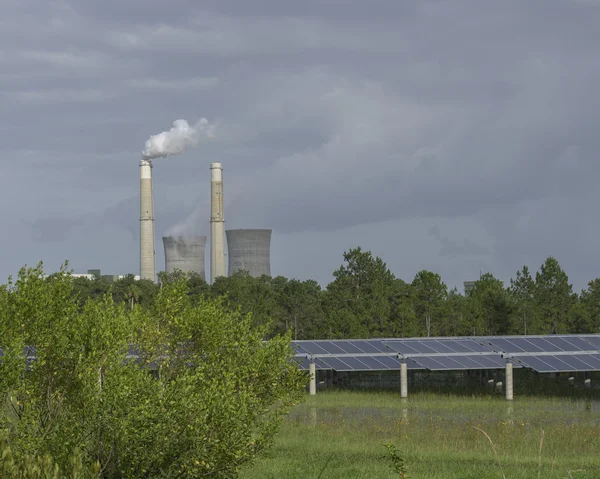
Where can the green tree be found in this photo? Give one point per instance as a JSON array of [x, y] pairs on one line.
[[248, 294], [458, 315], [403, 319], [197, 286], [430, 294], [301, 307], [590, 301], [522, 296], [214, 401], [85, 288], [357, 302], [490, 305], [579, 320], [553, 297]]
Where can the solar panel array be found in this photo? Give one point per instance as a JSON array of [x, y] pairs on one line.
[[548, 354], [350, 355], [556, 353], [441, 354]]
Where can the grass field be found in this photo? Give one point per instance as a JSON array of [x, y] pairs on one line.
[[340, 435]]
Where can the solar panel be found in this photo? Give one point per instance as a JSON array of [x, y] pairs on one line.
[[304, 363], [552, 343], [594, 341], [592, 360], [448, 363], [424, 346], [556, 353], [561, 363], [357, 346]]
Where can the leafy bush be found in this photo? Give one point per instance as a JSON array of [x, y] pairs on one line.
[[202, 396], [37, 467]]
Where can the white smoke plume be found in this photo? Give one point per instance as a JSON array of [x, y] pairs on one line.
[[178, 139]]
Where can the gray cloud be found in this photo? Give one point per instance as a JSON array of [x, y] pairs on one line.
[[453, 248], [338, 121]]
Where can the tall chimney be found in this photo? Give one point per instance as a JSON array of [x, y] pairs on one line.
[[217, 223], [147, 264]]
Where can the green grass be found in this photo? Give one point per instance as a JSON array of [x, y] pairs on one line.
[[437, 435]]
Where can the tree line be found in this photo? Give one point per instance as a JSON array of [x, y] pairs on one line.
[[365, 299]]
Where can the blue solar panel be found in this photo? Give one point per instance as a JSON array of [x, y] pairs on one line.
[[563, 362], [537, 363], [578, 344], [592, 360], [453, 353], [594, 341], [335, 363], [500, 344], [364, 363], [371, 346], [552, 343], [437, 363], [357, 346], [424, 346], [541, 345], [432, 363]]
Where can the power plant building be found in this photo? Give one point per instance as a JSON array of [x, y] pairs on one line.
[[249, 250], [185, 253]]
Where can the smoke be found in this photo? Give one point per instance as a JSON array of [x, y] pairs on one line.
[[178, 139], [192, 225]]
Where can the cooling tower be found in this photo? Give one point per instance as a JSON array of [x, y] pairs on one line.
[[147, 264], [185, 253], [249, 250], [217, 223]]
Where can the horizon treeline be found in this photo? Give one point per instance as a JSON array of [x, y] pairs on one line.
[[366, 300]]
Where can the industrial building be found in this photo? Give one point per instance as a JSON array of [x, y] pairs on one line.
[[249, 250], [93, 274], [185, 253]]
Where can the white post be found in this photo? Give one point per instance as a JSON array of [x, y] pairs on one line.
[[509, 381], [403, 380], [313, 378]]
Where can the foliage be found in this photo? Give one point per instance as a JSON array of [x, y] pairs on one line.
[[430, 294], [365, 299], [204, 396], [43, 467], [491, 308], [553, 297], [358, 300], [522, 296], [398, 464]]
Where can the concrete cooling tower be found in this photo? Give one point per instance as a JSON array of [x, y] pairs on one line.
[[185, 253], [249, 250]]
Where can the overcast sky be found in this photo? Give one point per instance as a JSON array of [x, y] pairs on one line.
[[446, 135]]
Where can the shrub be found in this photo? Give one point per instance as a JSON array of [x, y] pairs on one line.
[[203, 395]]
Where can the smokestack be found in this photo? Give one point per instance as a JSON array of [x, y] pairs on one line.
[[147, 264], [217, 223]]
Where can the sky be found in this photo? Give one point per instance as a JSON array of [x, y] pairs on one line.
[[457, 136]]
